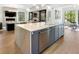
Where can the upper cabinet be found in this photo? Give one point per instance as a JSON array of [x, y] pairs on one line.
[[57, 14], [37, 16], [21, 16], [30, 15], [42, 15], [1, 14], [18, 14]]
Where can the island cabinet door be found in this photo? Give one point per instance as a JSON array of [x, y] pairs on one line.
[[43, 39], [56, 32], [51, 35], [60, 31], [62, 28], [34, 42]]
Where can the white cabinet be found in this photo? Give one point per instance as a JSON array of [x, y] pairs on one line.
[[1, 14], [22, 15]]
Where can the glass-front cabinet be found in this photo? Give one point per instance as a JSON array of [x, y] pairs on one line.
[[30, 15], [42, 15], [39, 15], [21, 16]]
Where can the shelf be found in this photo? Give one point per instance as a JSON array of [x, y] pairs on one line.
[[10, 22]]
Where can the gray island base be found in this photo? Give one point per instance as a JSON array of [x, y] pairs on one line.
[[34, 38]]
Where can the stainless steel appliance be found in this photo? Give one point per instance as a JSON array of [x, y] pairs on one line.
[[43, 40]]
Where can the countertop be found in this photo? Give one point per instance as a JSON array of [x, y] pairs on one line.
[[35, 26]]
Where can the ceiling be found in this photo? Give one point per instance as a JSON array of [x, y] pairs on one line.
[[52, 5], [25, 6]]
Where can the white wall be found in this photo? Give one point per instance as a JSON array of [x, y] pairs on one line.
[[1, 14]]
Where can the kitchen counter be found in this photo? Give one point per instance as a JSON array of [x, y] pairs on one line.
[[33, 38], [35, 26]]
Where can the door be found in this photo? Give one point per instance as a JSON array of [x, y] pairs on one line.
[[51, 35], [56, 32], [42, 15], [60, 31], [43, 39], [21, 17], [34, 42]]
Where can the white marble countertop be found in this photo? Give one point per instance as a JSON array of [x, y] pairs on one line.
[[34, 26]]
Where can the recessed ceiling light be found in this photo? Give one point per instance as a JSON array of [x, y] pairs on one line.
[[28, 9]]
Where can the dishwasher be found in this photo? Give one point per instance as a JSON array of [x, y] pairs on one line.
[[43, 39]]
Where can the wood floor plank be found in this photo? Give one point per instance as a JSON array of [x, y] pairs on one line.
[[69, 44], [65, 45]]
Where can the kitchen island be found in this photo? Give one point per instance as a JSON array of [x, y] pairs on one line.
[[33, 38]]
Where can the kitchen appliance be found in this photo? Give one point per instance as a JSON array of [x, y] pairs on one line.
[[43, 40]]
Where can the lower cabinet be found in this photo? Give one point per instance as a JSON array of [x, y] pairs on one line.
[[35, 42], [44, 38], [39, 41], [61, 30], [51, 35], [10, 27], [56, 32], [0, 25]]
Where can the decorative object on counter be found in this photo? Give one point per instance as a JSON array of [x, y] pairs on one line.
[[35, 18]]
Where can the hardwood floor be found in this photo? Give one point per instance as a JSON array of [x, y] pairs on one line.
[[7, 43], [67, 44]]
